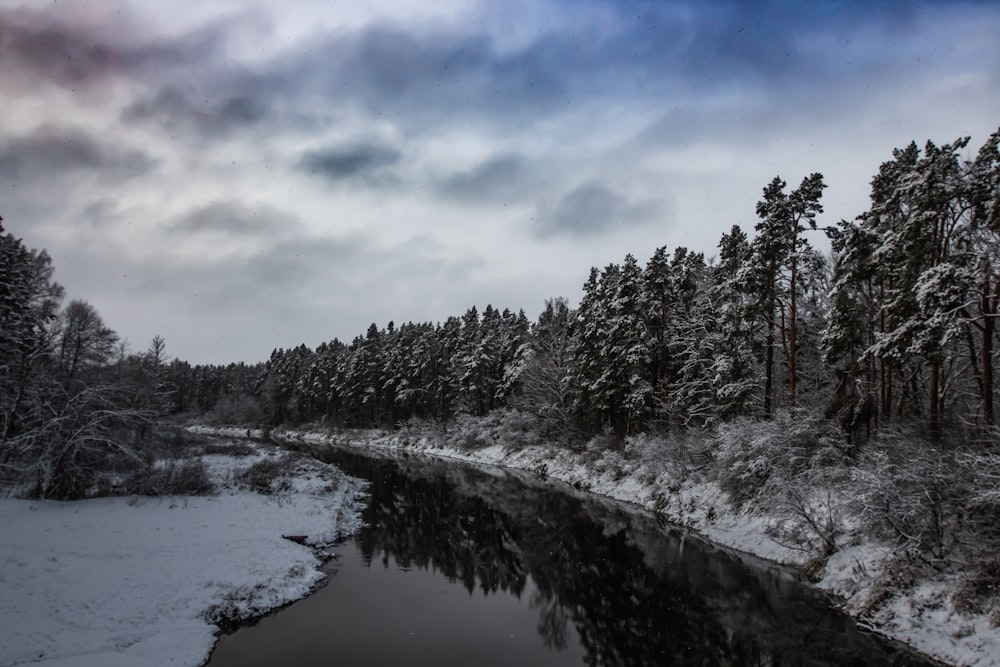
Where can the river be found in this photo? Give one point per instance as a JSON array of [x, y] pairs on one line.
[[457, 566]]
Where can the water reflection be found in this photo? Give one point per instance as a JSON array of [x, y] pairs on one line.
[[635, 593], [599, 583]]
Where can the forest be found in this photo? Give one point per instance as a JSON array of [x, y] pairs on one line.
[[831, 390], [895, 327]]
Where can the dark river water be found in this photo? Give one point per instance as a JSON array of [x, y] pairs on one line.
[[460, 567]]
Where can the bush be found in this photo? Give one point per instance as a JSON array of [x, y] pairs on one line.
[[268, 476], [913, 495], [235, 449], [681, 454], [808, 519], [755, 460], [509, 428], [938, 503], [172, 477], [980, 589]]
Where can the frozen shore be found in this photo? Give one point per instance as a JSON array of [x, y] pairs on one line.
[[138, 581], [922, 617]]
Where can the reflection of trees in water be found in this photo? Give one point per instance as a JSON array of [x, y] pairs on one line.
[[635, 594], [553, 620], [623, 611], [424, 523]]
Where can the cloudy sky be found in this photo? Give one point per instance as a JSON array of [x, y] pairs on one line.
[[242, 175]]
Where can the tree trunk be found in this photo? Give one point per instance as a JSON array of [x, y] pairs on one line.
[[934, 416], [769, 345], [989, 327], [792, 314], [885, 378]]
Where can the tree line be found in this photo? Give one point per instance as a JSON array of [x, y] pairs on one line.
[[896, 325]]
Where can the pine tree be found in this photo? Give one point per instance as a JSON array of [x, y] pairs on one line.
[[917, 217], [612, 351], [545, 368], [627, 352], [515, 333], [589, 402], [29, 302], [658, 303], [850, 328], [779, 250], [982, 250], [734, 334]]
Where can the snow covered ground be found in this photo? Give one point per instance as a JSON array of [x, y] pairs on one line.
[[133, 581], [923, 618]]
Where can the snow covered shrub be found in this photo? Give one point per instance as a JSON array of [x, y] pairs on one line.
[[268, 476], [171, 478], [415, 429], [938, 503], [909, 492], [510, 428], [239, 605], [680, 454], [75, 440], [468, 432], [809, 519], [745, 457], [753, 457], [597, 446], [980, 590], [982, 470]]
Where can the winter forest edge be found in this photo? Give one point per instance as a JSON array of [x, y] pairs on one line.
[[854, 387]]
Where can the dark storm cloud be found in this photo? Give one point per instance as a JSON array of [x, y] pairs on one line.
[[418, 78], [40, 46], [235, 219], [174, 110], [589, 210], [760, 42], [503, 178], [424, 77], [366, 161], [54, 152], [414, 77], [421, 77]]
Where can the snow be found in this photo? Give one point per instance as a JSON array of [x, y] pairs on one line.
[[132, 580], [922, 617]]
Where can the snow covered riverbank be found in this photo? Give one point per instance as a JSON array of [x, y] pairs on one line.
[[922, 616], [135, 581]]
